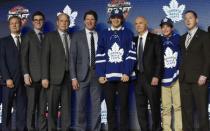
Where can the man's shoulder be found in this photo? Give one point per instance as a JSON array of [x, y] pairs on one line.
[[201, 30], [6, 39], [153, 37], [29, 34], [150, 34], [78, 33], [203, 33], [52, 34]]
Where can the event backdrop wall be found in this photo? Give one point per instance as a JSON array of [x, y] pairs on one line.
[[153, 10]]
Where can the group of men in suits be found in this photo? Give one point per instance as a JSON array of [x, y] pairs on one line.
[[40, 70], [38, 74]]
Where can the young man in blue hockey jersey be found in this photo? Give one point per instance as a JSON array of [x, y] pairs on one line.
[[115, 59], [170, 84]]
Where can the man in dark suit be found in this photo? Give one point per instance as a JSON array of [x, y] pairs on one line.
[[194, 72], [55, 71], [148, 70], [84, 80], [11, 72], [31, 66]]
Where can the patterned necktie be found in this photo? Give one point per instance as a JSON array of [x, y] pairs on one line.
[[140, 55], [18, 41], [92, 50], [66, 47], [189, 37]]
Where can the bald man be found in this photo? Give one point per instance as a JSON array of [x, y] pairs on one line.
[[55, 73], [148, 70]]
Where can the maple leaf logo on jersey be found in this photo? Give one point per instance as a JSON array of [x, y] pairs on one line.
[[72, 15], [170, 58], [174, 11], [115, 54]]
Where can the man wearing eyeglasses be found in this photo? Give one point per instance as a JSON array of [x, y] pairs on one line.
[[31, 66]]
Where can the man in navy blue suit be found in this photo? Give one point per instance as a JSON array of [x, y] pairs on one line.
[[14, 91]]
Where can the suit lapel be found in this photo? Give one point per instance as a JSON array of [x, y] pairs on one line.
[[59, 41], [183, 41], [35, 37], [147, 42], [194, 39], [11, 40], [85, 41]]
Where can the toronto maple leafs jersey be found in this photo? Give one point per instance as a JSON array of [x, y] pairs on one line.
[[171, 48], [116, 54]]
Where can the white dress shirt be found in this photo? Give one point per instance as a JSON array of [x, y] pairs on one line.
[[144, 37], [15, 39], [63, 41], [88, 35], [192, 33]]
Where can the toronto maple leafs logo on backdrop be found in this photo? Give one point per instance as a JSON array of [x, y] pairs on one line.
[[115, 53], [72, 15], [174, 11], [170, 58]]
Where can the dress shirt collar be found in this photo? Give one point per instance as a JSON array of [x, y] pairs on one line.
[[144, 35], [193, 31], [14, 35], [88, 31], [114, 29], [37, 31], [61, 32]]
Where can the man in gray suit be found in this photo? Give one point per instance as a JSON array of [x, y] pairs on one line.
[[84, 80], [31, 66], [55, 73]]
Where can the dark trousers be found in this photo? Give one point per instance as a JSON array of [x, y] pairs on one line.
[[15, 95], [36, 106], [89, 90], [144, 92], [194, 97], [110, 90], [59, 94]]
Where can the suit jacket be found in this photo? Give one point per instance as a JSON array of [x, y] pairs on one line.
[[53, 58], [195, 59], [79, 52], [152, 56], [10, 60], [31, 56]]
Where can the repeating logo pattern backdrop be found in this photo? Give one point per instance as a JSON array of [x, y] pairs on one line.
[[153, 10]]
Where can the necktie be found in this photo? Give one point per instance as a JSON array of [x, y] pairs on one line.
[[92, 50], [140, 55], [18, 41], [40, 36], [189, 37], [66, 47]]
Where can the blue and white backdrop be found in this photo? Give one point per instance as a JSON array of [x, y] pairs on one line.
[[153, 10]]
